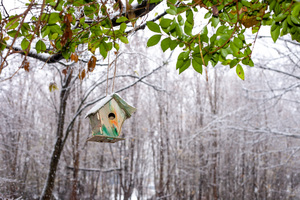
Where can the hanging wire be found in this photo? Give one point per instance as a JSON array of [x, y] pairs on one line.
[[112, 89], [108, 66]]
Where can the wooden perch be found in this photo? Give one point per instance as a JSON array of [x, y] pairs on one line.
[[96, 170]]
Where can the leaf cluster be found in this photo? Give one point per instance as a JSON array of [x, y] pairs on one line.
[[229, 20], [61, 26]]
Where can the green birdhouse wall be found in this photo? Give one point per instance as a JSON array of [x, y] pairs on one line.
[[107, 118]]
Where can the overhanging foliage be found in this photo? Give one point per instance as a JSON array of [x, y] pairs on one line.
[[58, 27]]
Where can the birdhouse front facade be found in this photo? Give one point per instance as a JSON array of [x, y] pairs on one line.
[[107, 118]]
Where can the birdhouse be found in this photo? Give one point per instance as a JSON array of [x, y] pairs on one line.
[[107, 118]]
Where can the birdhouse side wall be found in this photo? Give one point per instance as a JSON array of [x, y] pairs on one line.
[[95, 123], [112, 127]]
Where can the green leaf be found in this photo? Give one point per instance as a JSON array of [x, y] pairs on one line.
[[165, 44], [53, 18], [155, 1], [122, 19], [240, 71], [89, 11], [173, 26], [40, 46], [296, 10], [238, 42], [12, 24], [12, 33], [284, 27], [2, 45], [280, 17], [224, 52], [190, 17], [241, 37], [248, 51], [214, 21], [25, 28], [295, 20], [66, 54], [224, 38], [153, 40], [188, 28], [207, 15], [234, 48], [197, 64], [222, 30], [123, 27], [103, 49], [204, 30], [207, 58], [182, 59], [55, 29], [59, 6], [173, 44], [0, 17], [165, 23], [171, 11], [153, 27], [180, 20], [45, 31], [184, 55], [117, 46], [185, 65], [215, 59], [250, 63], [124, 39], [272, 5], [233, 63], [78, 2], [275, 33], [289, 20], [24, 44], [179, 31], [246, 3]]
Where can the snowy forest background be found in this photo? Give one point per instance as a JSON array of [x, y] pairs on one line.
[[189, 139]]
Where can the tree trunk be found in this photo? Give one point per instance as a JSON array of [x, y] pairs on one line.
[[59, 144]]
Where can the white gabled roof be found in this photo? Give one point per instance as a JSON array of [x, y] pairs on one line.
[[121, 102]]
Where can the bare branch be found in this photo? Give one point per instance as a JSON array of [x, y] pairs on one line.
[[279, 71]]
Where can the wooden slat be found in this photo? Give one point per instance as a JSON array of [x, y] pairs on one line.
[[105, 139]]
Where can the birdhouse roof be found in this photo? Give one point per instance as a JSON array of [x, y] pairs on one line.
[[128, 109]]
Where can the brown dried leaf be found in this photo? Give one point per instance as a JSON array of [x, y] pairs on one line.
[[67, 35], [74, 57], [69, 18], [251, 20], [63, 40], [26, 66], [64, 71], [215, 11], [81, 75], [92, 63]]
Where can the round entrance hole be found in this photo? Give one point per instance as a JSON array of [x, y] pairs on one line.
[[111, 116]]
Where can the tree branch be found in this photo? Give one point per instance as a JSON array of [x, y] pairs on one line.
[[144, 24], [47, 59], [139, 11], [278, 71]]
